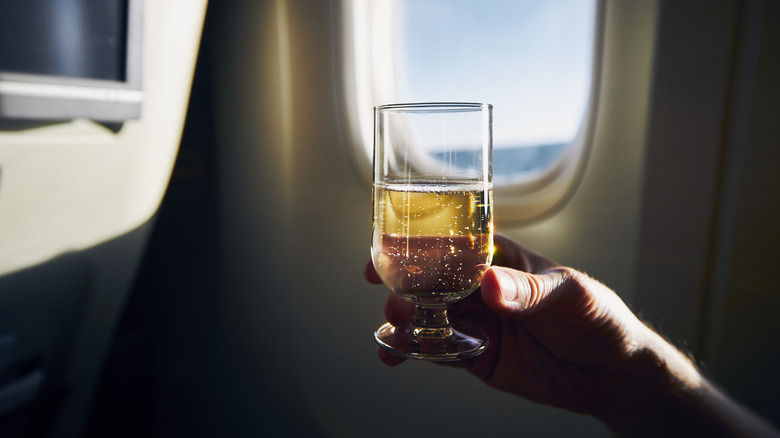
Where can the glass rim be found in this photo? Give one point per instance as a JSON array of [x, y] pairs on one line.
[[434, 106]]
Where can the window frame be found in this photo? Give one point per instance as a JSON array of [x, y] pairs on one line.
[[365, 84]]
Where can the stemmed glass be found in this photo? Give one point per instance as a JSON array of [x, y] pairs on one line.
[[432, 234]]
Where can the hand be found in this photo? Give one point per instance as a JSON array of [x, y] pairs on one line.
[[556, 336], [562, 338]]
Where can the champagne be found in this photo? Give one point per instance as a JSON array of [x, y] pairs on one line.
[[431, 242]]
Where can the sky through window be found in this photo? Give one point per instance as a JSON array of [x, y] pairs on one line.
[[531, 59]]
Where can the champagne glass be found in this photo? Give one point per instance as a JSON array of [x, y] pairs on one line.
[[432, 234]]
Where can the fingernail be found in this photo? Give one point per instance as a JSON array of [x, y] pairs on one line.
[[507, 284]]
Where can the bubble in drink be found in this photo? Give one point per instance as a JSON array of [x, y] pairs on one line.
[[431, 243]]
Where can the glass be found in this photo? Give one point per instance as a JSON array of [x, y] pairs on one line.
[[432, 234]]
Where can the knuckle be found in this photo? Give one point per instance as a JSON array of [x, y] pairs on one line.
[[572, 289]]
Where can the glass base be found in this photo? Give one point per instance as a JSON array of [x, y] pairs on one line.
[[455, 342]]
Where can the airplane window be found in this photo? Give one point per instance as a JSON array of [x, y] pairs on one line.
[[533, 60]]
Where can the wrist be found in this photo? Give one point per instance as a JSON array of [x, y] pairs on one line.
[[665, 395], [659, 388]]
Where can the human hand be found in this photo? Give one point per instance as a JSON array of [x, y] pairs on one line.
[[561, 338], [556, 335]]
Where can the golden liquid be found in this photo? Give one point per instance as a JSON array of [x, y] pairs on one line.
[[431, 243]]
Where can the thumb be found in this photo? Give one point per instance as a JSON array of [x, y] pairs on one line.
[[510, 292]]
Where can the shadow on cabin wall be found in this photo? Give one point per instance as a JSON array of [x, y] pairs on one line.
[[169, 372]]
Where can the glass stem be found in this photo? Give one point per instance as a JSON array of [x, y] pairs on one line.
[[431, 322]]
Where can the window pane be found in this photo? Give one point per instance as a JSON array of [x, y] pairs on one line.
[[531, 59]]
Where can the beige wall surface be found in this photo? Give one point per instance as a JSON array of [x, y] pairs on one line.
[[72, 185]]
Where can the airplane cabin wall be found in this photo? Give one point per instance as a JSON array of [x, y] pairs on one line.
[[295, 224], [278, 339], [742, 325], [710, 202], [77, 201]]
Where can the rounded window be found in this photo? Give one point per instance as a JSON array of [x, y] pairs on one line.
[[535, 62]]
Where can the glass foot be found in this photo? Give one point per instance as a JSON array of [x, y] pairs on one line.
[[455, 342]]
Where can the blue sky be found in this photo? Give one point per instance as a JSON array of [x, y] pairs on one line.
[[530, 59]]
